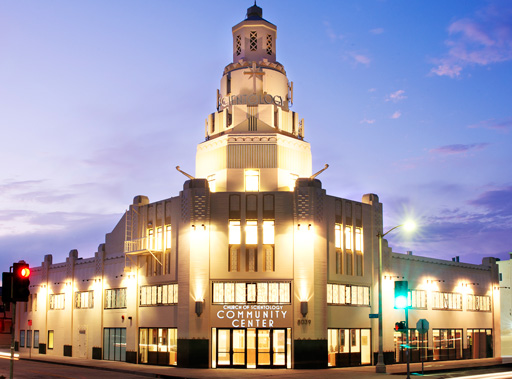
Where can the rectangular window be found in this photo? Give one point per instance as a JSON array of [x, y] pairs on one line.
[[158, 346], [342, 294], [268, 232], [418, 299], [57, 301], [479, 303], [151, 239], [447, 300], [36, 339], [22, 338], [238, 46], [34, 303], [448, 344], [251, 233], [159, 238], [359, 239], [337, 236], [253, 41], [50, 339], [84, 299], [269, 44], [115, 298], [293, 181], [168, 237], [242, 293], [162, 294], [252, 180], [114, 344], [348, 238], [211, 182], [234, 232], [29, 338]]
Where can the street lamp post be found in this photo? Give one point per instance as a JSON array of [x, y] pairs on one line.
[[380, 367]]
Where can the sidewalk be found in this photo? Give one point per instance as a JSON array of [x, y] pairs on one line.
[[397, 371]]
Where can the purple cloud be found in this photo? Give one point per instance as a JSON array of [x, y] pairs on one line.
[[500, 125], [377, 31], [396, 96], [497, 202], [481, 40], [458, 148]]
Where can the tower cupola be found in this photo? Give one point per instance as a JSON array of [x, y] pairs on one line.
[[254, 39]]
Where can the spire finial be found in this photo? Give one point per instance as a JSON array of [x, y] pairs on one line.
[[254, 12]]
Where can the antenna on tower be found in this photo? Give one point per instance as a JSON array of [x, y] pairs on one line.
[[184, 173], [319, 172]]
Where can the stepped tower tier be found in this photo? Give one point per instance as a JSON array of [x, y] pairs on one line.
[[254, 142]]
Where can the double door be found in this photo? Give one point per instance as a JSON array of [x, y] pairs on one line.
[[250, 348]]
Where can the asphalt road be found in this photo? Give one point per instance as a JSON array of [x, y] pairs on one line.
[[40, 370]]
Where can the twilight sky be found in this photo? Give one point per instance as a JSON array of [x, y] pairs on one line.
[[411, 100]]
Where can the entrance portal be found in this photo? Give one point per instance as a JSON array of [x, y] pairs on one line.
[[250, 348]]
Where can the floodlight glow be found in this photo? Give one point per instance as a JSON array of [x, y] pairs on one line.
[[410, 225]]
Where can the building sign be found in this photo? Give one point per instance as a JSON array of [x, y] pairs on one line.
[[252, 316], [253, 99]]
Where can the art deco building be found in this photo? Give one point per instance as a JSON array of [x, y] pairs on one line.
[[253, 264]]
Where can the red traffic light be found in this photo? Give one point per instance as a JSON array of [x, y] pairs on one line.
[[25, 272]]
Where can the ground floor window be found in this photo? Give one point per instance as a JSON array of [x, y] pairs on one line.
[[22, 338], [251, 348], [447, 344], [418, 346], [50, 339], [29, 338], [36, 339], [114, 344], [348, 347], [479, 342], [158, 346]]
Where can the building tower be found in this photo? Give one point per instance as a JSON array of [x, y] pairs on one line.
[[254, 142]]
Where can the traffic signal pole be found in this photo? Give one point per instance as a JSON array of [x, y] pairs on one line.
[[407, 341], [13, 331]]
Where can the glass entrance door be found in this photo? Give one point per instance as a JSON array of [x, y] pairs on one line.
[[271, 346], [231, 348], [251, 348]]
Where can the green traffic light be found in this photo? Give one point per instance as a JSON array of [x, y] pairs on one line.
[[401, 302]]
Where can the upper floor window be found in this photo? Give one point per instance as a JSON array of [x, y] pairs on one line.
[[151, 239], [359, 239], [337, 236], [211, 182], [479, 303], [269, 44], [234, 232], [252, 180], [344, 294], [238, 45], [418, 299], [168, 236], [251, 233], [56, 301], [253, 41], [162, 294], [293, 180], [348, 238], [446, 300], [84, 299], [268, 232], [159, 238], [260, 292], [115, 298]]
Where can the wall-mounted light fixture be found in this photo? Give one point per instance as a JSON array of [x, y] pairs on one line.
[[304, 308], [304, 226], [199, 308], [430, 281]]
